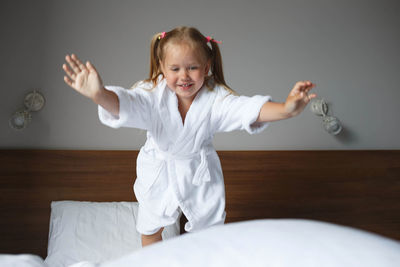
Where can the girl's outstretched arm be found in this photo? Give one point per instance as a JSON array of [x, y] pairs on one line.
[[295, 103], [86, 80]]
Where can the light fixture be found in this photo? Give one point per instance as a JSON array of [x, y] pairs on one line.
[[33, 101], [331, 124]]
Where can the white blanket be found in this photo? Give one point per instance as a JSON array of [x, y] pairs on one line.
[[284, 243]]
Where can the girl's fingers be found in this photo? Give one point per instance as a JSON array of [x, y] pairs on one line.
[[90, 67], [296, 89], [68, 71], [299, 87], [72, 63], [306, 86], [312, 96], [68, 81], [305, 96], [78, 62], [312, 85]]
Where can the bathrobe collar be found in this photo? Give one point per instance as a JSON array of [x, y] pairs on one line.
[[197, 113]]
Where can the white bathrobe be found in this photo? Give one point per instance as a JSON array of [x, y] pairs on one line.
[[178, 168]]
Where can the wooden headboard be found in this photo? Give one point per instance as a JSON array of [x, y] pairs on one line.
[[354, 188]]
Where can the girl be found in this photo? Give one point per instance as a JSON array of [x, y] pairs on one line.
[[184, 101]]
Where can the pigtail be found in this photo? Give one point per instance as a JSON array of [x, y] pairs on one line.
[[155, 69], [216, 64], [217, 71]]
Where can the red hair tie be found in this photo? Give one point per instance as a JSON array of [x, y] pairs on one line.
[[210, 39], [162, 35]]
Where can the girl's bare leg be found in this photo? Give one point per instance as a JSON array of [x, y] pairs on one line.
[[150, 239]]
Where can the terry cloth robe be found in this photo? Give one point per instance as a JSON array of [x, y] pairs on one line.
[[178, 166]]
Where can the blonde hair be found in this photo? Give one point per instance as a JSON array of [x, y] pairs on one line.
[[195, 39]]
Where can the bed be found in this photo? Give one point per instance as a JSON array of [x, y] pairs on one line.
[[334, 192]]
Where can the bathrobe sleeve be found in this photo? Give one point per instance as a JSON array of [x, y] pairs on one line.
[[233, 112], [135, 109]]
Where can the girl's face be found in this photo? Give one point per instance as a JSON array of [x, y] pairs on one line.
[[184, 71]]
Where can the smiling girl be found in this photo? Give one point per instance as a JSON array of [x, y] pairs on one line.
[[182, 104]]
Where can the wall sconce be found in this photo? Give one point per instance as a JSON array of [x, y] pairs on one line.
[[33, 101], [331, 124]]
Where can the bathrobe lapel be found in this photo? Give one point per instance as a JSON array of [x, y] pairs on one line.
[[169, 113], [179, 133], [194, 121]]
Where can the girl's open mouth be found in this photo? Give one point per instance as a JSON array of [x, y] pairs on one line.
[[186, 86]]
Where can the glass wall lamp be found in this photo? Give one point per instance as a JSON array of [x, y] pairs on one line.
[[331, 124], [33, 101]]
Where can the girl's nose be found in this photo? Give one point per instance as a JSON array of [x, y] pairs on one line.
[[184, 75]]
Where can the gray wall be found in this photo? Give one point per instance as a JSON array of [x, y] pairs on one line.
[[350, 49]]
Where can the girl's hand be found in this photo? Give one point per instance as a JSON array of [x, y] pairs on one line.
[[299, 98], [84, 79]]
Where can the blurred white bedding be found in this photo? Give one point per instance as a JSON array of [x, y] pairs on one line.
[[278, 242], [21, 260], [274, 242]]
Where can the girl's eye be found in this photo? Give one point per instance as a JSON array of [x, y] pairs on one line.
[[189, 68]]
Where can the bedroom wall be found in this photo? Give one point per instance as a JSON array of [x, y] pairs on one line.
[[348, 48]]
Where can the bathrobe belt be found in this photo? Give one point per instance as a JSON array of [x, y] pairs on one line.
[[202, 173]]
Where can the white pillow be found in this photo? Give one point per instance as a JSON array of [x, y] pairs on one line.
[[94, 231]]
